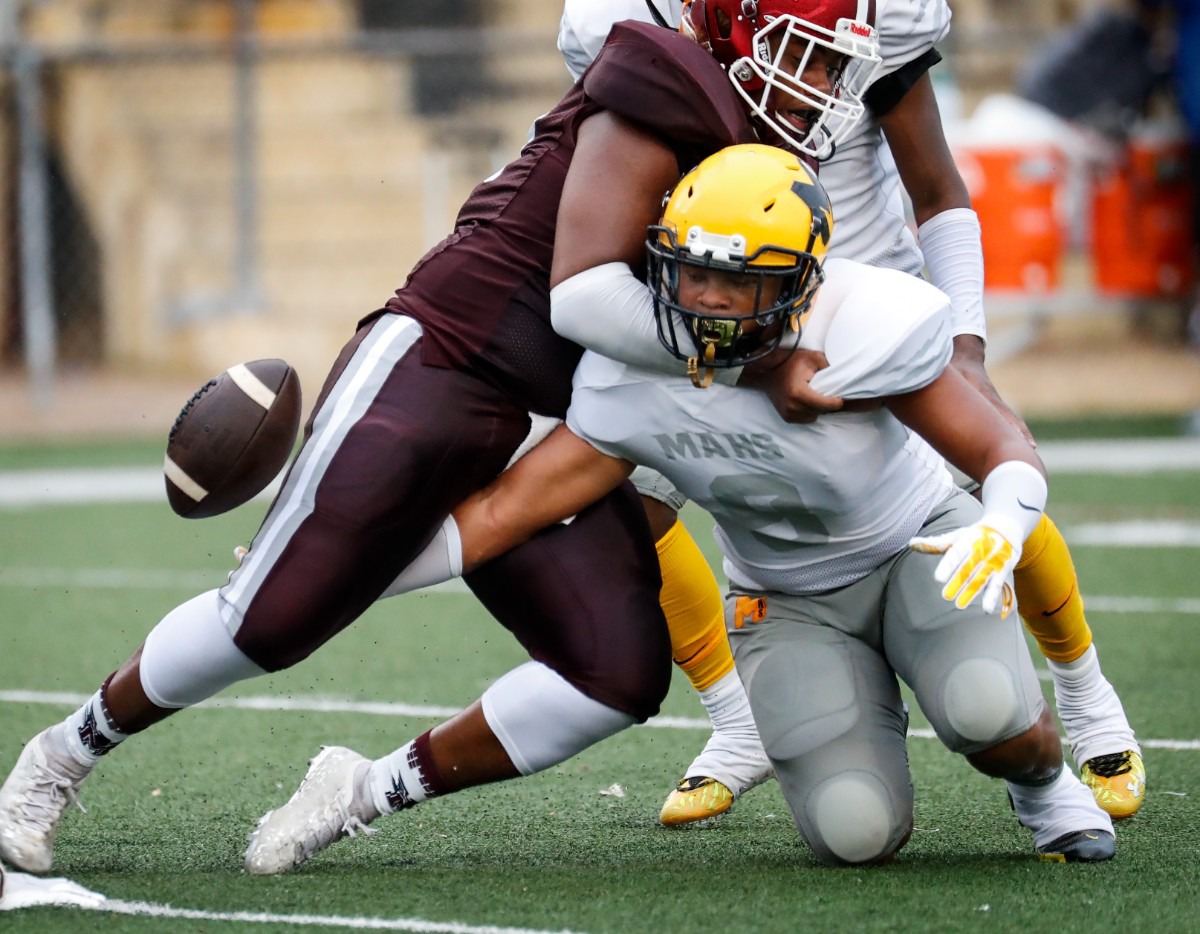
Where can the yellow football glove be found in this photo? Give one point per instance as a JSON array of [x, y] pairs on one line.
[[977, 559]]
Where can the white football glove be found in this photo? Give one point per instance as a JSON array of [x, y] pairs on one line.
[[977, 559]]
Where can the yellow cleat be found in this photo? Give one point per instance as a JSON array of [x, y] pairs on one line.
[[695, 799], [1118, 782]]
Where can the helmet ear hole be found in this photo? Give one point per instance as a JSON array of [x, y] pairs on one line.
[[724, 24]]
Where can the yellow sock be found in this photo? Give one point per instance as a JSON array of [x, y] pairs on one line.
[[691, 600], [1048, 595]]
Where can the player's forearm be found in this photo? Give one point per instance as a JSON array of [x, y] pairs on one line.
[[968, 360], [609, 311], [559, 478], [963, 426]]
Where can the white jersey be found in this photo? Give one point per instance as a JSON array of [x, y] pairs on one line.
[[861, 178], [864, 186], [585, 25], [799, 508]]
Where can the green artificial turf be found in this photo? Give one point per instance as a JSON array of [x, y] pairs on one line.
[[168, 813]]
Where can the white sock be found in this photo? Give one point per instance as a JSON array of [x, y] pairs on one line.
[[439, 562], [1057, 807], [728, 706], [733, 754], [1080, 670], [1089, 708], [89, 732], [395, 781]]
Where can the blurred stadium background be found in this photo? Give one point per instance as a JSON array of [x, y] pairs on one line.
[[185, 184]]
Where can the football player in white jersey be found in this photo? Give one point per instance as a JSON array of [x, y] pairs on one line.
[[899, 141], [853, 558]]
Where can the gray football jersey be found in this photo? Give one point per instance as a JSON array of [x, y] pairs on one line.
[[798, 508]]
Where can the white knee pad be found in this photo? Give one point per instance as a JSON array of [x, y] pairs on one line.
[[980, 700], [190, 655], [852, 815], [542, 720]]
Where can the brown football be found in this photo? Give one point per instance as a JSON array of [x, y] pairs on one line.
[[232, 438]]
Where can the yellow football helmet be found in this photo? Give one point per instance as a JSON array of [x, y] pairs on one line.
[[759, 213]]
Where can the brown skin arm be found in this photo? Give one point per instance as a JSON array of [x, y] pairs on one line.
[[914, 133], [913, 129], [613, 191], [559, 478], [968, 360], [963, 426]]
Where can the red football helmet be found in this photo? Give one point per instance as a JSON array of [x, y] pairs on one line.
[[768, 44]]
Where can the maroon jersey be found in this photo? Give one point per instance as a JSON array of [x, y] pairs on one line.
[[482, 295]]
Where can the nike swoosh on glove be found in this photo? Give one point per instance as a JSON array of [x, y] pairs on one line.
[[976, 559]]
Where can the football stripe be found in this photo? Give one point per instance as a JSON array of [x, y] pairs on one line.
[[251, 385], [185, 483], [350, 398]]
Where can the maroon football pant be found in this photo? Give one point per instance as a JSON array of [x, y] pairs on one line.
[[392, 446]]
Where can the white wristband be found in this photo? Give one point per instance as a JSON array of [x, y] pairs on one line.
[[1014, 497], [950, 243]]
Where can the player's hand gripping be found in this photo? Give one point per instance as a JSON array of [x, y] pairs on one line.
[[785, 377], [976, 559]]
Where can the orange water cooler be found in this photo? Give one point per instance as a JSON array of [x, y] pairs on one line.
[[1141, 243], [1015, 192]]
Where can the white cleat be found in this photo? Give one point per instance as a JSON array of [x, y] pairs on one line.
[[325, 807], [41, 786]]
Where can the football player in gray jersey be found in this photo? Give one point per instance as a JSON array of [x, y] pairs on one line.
[[897, 146], [854, 561]]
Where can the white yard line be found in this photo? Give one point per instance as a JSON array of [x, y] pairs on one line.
[[1158, 533], [1127, 456], [21, 489], [25, 488], [387, 709], [151, 910]]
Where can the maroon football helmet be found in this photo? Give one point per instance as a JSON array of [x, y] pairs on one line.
[[768, 44]]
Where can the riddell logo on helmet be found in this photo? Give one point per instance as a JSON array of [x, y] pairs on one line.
[[856, 28]]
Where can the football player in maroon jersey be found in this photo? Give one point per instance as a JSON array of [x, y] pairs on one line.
[[427, 403]]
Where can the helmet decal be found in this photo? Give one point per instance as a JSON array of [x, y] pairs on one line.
[[822, 214]]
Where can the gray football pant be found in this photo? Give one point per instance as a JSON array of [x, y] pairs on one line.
[[821, 673]]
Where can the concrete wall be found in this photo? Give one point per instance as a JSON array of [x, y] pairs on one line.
[[353, 186]]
